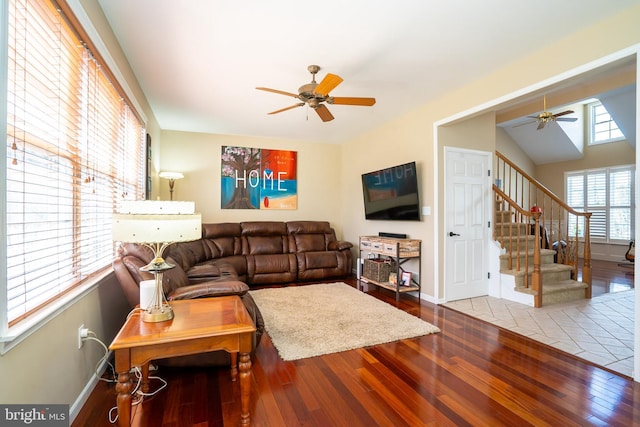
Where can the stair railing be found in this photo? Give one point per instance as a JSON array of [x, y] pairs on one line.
[[508, 230], [561, 227]]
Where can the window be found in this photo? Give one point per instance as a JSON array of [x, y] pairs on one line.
[[74, 149], [602, 127], [608, 195]]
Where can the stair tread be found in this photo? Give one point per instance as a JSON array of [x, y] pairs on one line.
[[559, 286], [543, 268], [515, 237], [530, 252]]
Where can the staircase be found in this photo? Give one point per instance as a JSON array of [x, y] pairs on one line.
[[557, 282], [542, 240]]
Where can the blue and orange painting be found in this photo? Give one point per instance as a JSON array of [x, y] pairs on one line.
[[258, 178]]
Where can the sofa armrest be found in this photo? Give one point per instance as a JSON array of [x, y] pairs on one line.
[[209, 289], [339, 245]]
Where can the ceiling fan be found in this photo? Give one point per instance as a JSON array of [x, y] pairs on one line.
[[316, 94], [545, 117]]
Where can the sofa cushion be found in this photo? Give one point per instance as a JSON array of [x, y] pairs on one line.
[[309, 227], [221, 229], [263, 245], [308, 236], [271, 268], [320, 265], [174, 278], [309, 242], [264, 238], [263, 228], [212, 269], [209, 289]]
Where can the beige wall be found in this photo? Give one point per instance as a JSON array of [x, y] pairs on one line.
[[507, 146], [197, 155]]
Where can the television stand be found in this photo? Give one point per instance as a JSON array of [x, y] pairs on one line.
[[398, 252]]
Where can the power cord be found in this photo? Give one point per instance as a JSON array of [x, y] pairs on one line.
[[137, 394], [132, 312], [91, 336]]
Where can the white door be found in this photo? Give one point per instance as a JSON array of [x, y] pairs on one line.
[[466, 223]]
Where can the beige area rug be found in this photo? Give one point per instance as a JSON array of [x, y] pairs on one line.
[[312, 320]]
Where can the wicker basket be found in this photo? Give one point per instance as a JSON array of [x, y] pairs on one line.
[[377, 269]]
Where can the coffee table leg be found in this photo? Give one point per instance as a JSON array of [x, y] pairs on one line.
[[124, 398], [234, 366], [144, 386], [123, 387], [245, 387]]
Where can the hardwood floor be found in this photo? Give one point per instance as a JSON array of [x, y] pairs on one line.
[[470, 374], [610, 276]]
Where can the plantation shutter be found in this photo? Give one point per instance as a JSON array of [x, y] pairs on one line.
[[608, 195], [597, 203], [620, 185], [74, 148]]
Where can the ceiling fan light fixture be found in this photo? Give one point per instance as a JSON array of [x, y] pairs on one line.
[[546, 117], [315, 94]]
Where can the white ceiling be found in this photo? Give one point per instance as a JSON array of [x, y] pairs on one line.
[[199, 61]]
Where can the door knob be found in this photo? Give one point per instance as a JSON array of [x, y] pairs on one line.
[[451, 234]]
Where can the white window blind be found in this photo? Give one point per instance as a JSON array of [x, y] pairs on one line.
[[74, 149], [608, 195]]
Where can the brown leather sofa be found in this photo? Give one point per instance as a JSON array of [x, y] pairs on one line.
[[263, 252], [231, 257]]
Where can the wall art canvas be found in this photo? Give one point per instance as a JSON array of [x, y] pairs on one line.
[[258, 178]]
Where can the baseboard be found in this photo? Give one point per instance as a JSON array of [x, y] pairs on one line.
[[76, 406], [428, 298]]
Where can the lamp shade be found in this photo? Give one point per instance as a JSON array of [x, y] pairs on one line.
[[156, 228], [171, 175], [150, 221]]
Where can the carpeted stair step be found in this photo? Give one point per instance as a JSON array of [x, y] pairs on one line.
[[503, 217], [546, 257], [512, 229], [550, 273], [510, 243], [560, 291]]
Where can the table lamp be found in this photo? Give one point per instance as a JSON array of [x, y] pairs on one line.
[[156, 225], [171, 176]]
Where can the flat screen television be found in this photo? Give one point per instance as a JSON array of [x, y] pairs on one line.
[[392, 193]]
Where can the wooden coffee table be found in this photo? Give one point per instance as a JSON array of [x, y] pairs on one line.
[[199, 325]]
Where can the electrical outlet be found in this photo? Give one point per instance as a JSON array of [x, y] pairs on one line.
[[82, 334]]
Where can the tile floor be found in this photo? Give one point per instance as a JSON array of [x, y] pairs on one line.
[[599, 330]]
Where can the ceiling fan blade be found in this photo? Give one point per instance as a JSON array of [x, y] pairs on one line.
[[324, 113], [366, 102], [541, 125], [524, 123], [563, 113], [277, 91], [566, 119], [287, 108], [327, 84]]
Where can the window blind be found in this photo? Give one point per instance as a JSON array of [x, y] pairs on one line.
[[607, 194], [74, 149]]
